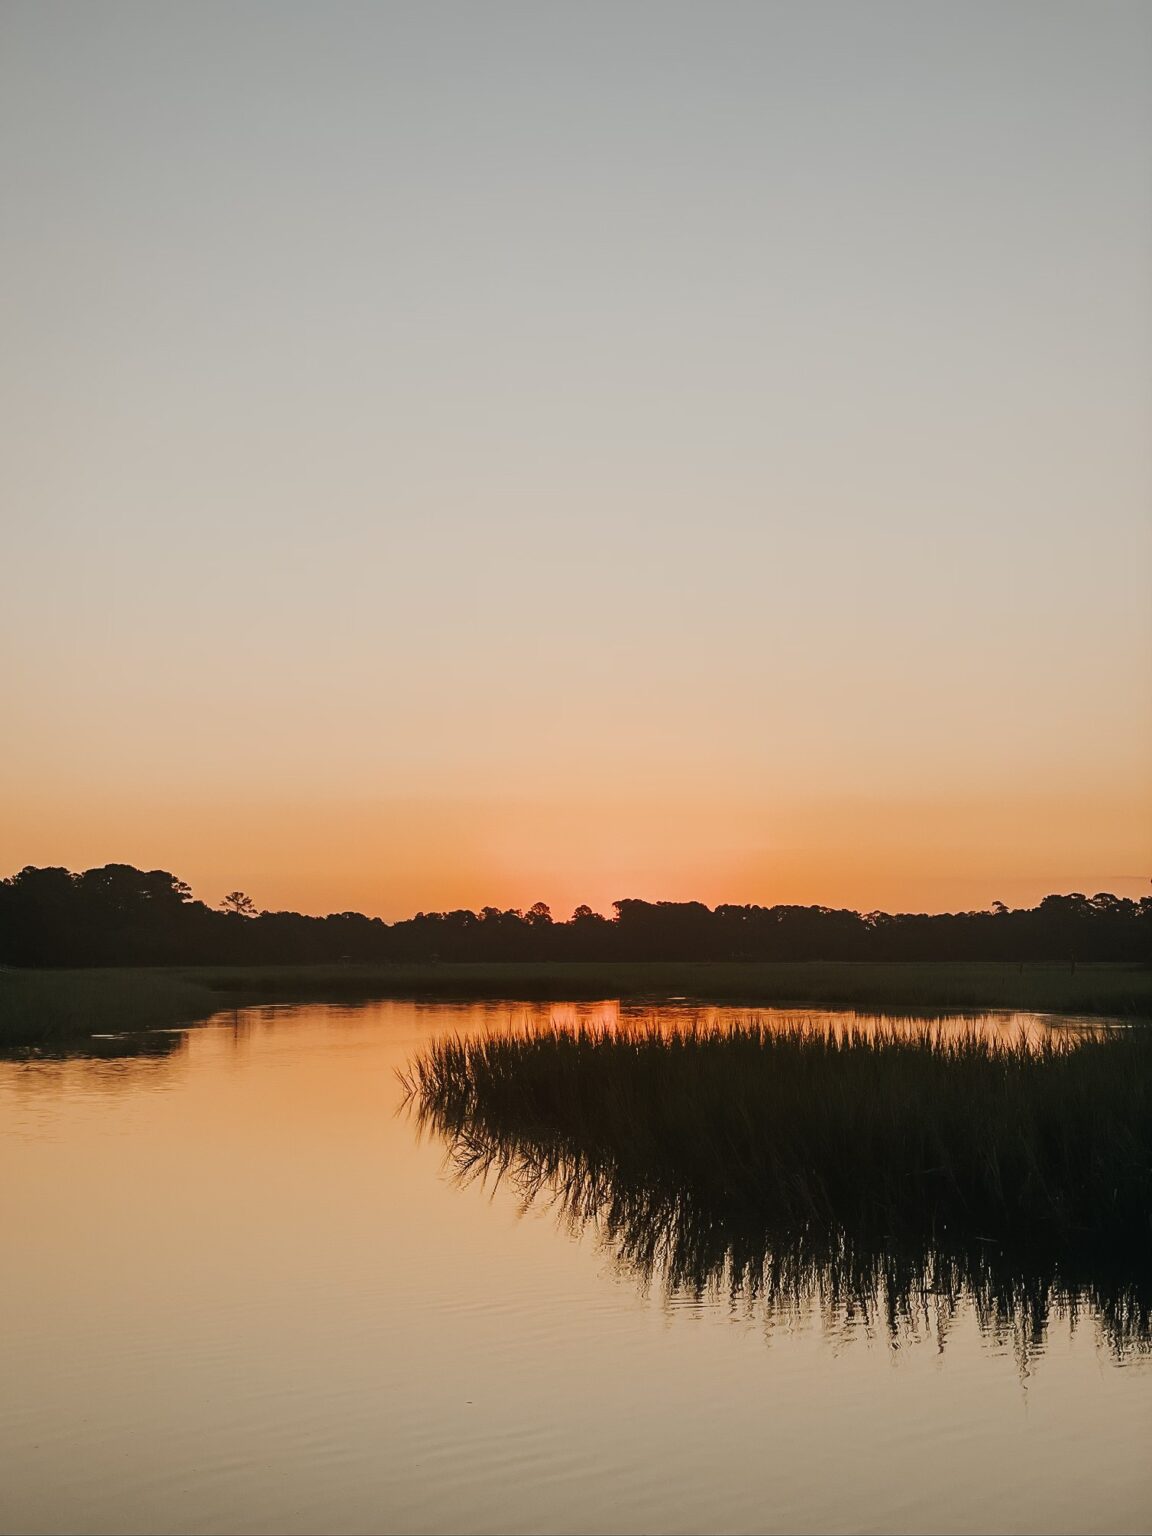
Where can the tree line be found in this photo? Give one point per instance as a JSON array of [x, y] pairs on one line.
[[119, 915]]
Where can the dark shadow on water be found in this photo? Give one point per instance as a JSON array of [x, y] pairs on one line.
[[711, 1169], [151, 1044]]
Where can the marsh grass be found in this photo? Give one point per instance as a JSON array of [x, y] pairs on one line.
[[910, 987], [62, 1011], [886, 1175]]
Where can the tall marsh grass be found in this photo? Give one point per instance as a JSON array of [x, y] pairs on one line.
[[869, 1171]]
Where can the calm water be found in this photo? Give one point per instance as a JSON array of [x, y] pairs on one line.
[[240, 1294]]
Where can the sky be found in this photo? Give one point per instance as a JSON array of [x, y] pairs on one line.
[[463, 454]]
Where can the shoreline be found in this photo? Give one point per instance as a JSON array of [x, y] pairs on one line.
[[48, 1007]]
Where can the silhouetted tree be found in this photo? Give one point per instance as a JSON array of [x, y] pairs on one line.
[[119, 915]]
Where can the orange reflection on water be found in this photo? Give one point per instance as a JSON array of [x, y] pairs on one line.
[[249, 1297]]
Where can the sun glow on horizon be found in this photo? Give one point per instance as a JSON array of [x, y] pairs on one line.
[[394, 859], [470, 464]]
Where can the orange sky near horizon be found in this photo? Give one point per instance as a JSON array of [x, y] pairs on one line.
[[393, 859], [461, 456]]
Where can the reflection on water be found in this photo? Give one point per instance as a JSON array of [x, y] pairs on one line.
[[495, 1015], [693, 1248], [148, 1043], [244, 1296]]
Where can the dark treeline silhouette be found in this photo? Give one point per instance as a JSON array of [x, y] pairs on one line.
[[119, 915]]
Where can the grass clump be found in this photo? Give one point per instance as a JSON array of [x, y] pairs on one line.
[[870, 1171]]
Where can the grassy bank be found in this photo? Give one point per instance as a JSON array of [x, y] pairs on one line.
[[909, 987], [62, 1010], [864, 1171], [46, 1007]]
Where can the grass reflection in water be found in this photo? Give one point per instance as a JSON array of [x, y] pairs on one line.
[[884, 1178]]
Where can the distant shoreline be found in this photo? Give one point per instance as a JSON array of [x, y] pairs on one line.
[[117, 915], [46, 1007]]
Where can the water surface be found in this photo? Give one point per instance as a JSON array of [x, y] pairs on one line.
[[242, 1294]]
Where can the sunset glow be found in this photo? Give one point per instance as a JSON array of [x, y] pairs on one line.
[[576, 794], [426, 491]]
